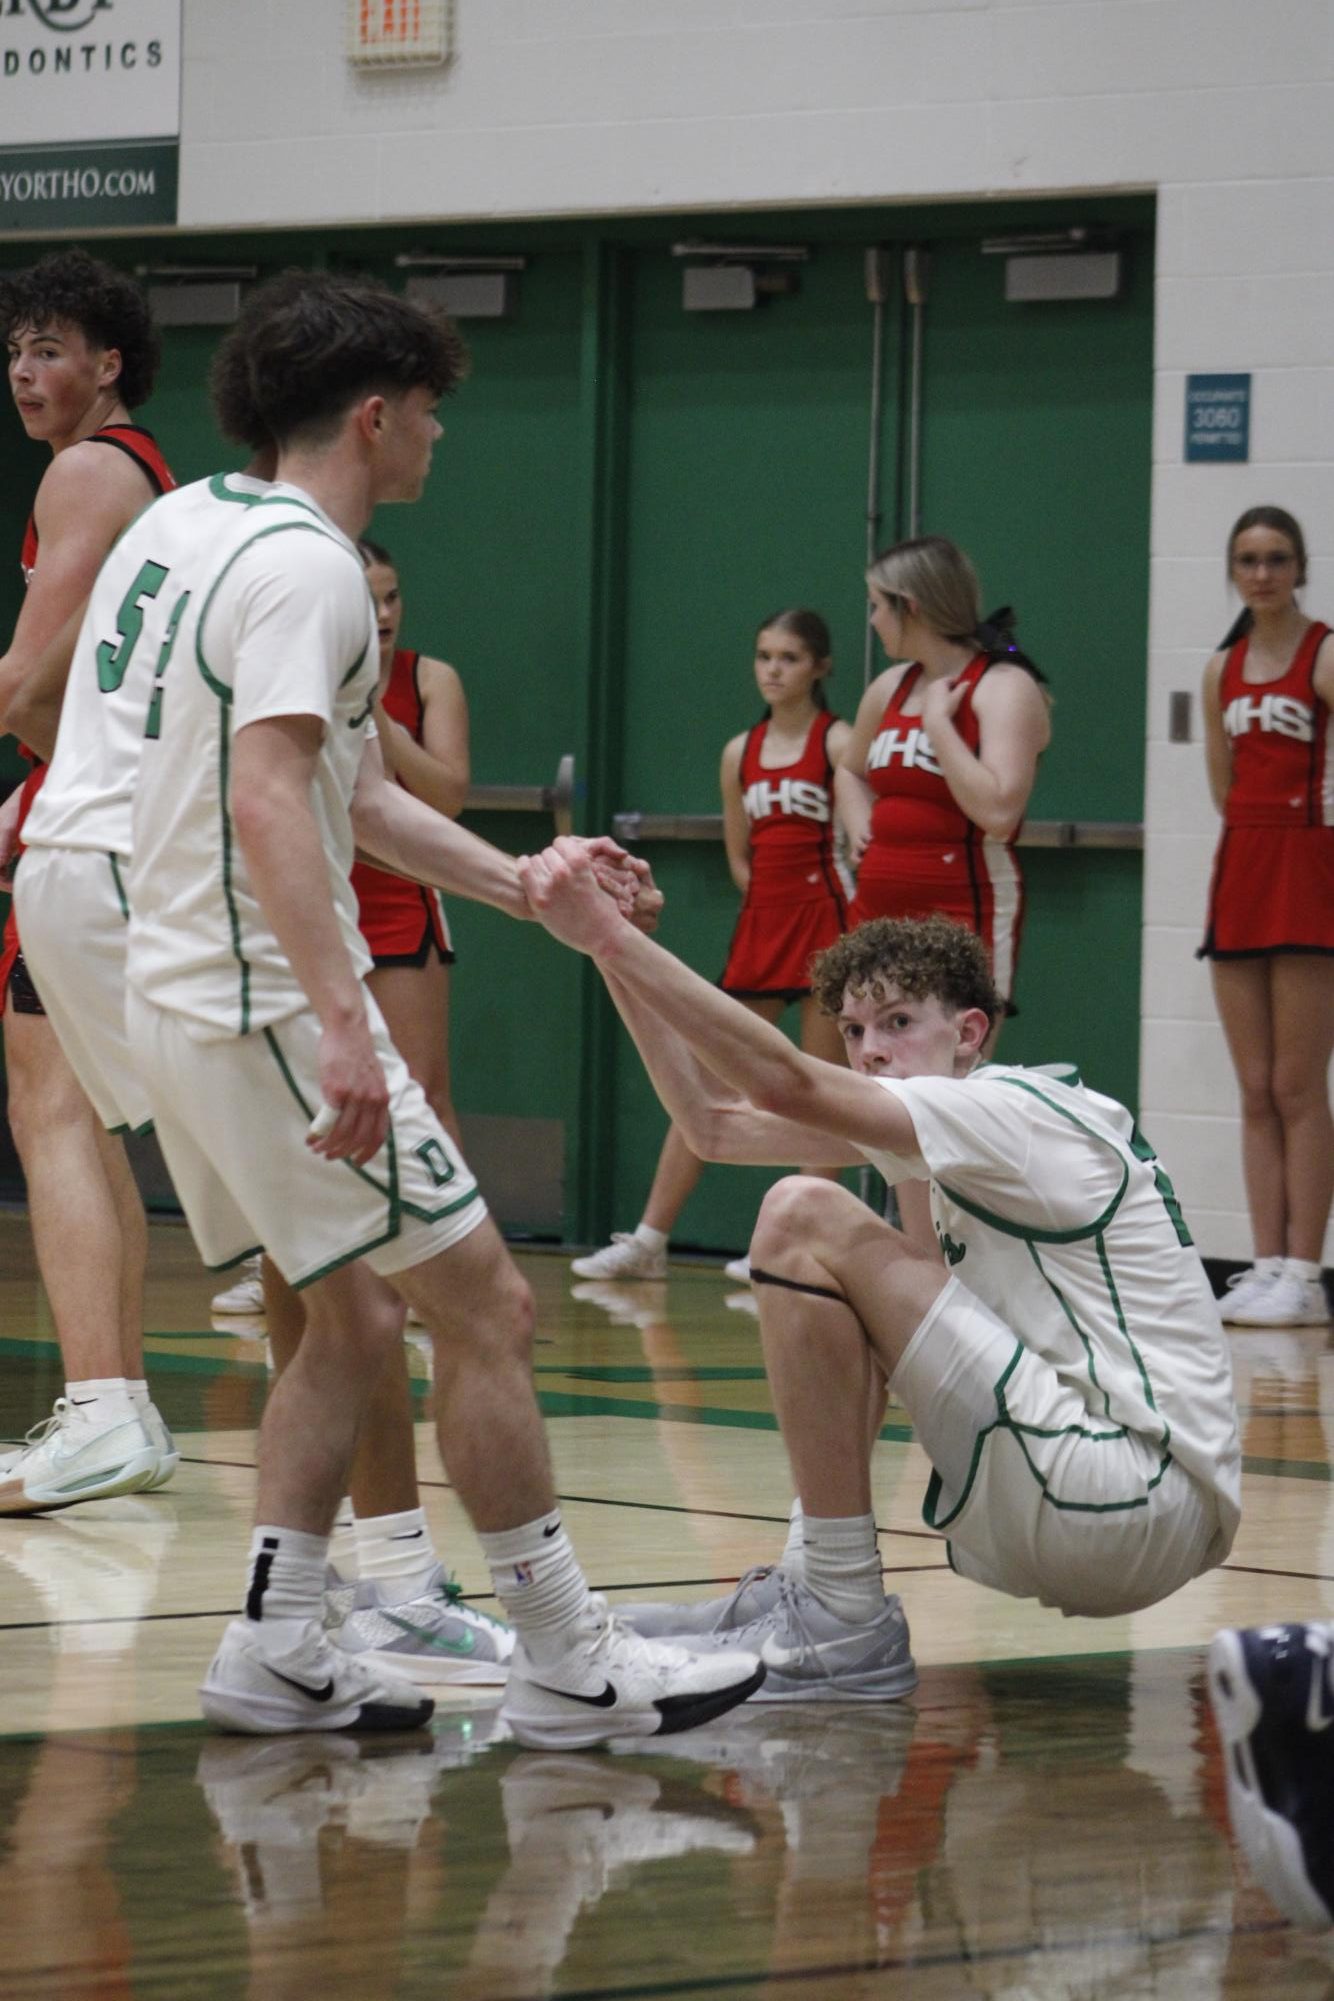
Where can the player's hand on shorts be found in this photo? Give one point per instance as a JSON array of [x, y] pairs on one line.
[[354, 1118], [9, 832], [564, 894]]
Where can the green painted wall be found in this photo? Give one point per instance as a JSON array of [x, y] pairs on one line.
[[625, 489]]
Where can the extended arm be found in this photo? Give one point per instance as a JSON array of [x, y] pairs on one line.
[[992, 786], [753, 1059], [436, 770]]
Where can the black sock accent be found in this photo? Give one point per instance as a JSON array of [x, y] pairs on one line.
[[758, 1277], [259, 1582]]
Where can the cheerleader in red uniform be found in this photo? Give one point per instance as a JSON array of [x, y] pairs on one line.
[[1269, 735], [778, 826], [423, 727], [943, 754]]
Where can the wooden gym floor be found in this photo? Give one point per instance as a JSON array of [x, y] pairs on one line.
[[1045, 1818]]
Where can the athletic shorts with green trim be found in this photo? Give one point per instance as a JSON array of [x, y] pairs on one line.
[[74, 924], [1041, 1497], [232, 1117]]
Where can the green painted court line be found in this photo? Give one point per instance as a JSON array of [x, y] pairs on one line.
[[629, 1373]]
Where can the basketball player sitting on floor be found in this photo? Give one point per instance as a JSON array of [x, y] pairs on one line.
[[1063, 1363]]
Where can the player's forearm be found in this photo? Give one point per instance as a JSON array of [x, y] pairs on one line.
[[714, 1120], [977, 791], [753, 1058], [403, 834]]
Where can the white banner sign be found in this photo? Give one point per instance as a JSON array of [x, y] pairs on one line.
[[79, 70]]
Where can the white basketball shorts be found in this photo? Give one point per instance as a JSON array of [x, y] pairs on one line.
[[232, 1118], [1032, 1503], [74, 927]]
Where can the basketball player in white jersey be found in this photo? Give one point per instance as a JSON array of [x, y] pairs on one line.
[[1064, 1367], [285, 1115]]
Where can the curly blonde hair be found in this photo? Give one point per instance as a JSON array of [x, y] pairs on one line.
[[926, 958]]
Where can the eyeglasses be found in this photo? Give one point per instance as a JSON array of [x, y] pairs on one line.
[[1276, 560]]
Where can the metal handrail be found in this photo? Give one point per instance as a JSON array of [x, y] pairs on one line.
[[556, 798], [1035, 834]]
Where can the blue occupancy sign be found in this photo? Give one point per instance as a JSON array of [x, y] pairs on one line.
[[1218, 418]]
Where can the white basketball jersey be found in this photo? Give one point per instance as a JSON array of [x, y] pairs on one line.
[[1056, 1213], [259, 609]]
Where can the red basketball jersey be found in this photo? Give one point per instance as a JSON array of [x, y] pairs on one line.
[[1282, 739]]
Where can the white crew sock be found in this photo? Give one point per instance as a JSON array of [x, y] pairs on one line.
[[653, 1240], [138, 1392], [1303, 1268], [100, 1400], [538, 1581], [285, 1584], [396, 1549], [841, 1566], [343, 1541], [791, 1559]]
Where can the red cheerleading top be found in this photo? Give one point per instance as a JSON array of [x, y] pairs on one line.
[[395, 915], [1282, 739], [913, 801], [790, 811]]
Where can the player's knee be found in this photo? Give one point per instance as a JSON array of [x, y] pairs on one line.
[[1294, 1089], [1256, 1090], [796, 1211]]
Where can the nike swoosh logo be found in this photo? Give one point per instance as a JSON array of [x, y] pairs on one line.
[[552, 1531], [324, 1694], [606, 1700], [1317, 1717], [778, 1656], [465, 1644]]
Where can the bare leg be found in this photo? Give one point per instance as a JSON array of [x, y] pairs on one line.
[[1242, 992], [674, 1181], [134, 1250], [414, 1001], [309, 1434], [383, 1480], [1302, 996], [75, 1207], [492, 1441], [820, 1354]]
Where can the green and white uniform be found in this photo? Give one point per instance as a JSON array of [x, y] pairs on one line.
[[261, 612], [1071, 1386], [72, 887]]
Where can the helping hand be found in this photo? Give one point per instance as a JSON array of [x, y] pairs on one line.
[[565, 894]]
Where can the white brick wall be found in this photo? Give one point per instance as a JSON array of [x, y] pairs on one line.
[[1225, 107]]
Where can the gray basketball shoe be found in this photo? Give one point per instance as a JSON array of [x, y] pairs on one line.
[[814, 1656], [432, 1638], [755, 1594]]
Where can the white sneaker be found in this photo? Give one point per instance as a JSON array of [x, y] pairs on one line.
[[614, 1683], [756, 1593], [626, 1256], [739, 1269], [812, 1655], [433, 1637], [168, 1458], [314, 1686], [245, 1296], [1245, 1288], [66, 1460], [1287, 1301]]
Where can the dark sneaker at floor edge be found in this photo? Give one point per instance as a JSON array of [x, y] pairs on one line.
[[312, 1686], [1270, 1687], [813, 1655], [612, 1682], [756, 1593]]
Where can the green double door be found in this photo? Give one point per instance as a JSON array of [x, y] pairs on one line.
[[626, 489]]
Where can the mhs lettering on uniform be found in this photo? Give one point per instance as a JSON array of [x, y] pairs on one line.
[[1281, 715], [797, 796], [909, 747]]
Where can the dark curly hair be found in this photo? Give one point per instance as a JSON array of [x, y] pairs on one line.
[[315, 342], [110, 310], [926, 958]]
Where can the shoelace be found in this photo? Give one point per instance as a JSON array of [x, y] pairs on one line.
[[452, 1592], [49, 1425], [743, 1584]]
